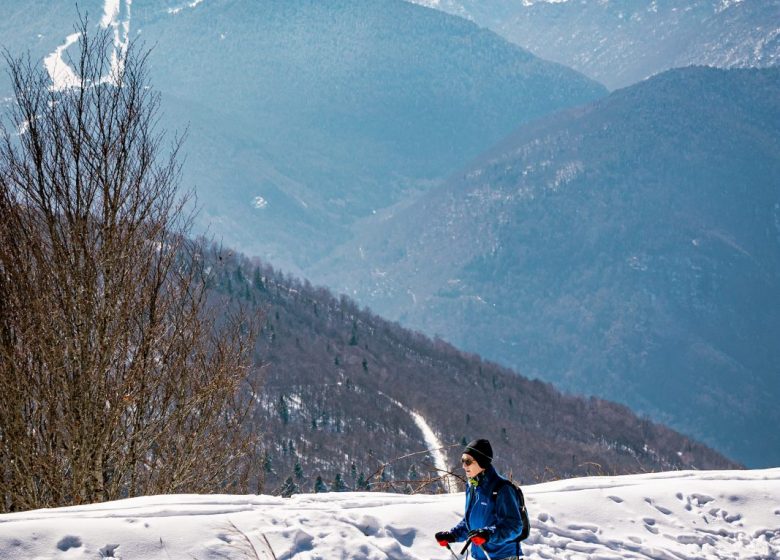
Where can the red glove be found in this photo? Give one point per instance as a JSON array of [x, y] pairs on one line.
[[479, 536], [444, 538]]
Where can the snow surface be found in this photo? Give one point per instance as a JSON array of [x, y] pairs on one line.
[[61, 74], [189, 5], [666, 516]]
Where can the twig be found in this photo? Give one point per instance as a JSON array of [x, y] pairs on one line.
[[246, 538], [384, 465], [162, 545], [271, 550]]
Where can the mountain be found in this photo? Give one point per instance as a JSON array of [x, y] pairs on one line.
[[341, 388], [620, 42], [681, 515], [628, 249], [304, 116]]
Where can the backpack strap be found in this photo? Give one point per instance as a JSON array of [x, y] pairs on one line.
[[497, 488], [520, 502]]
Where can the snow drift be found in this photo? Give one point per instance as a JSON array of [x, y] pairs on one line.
[[666, 516]]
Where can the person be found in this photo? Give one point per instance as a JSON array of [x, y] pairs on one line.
[[491, 523]]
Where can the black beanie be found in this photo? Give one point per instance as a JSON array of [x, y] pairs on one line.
[[481, 451]]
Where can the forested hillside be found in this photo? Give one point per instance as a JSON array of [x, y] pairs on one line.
[[620, 42], [332, 372]]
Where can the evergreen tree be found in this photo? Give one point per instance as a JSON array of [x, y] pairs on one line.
[[298, 471], [284, 411], [257, 280], [353, 341], [289, 488], [320, 486], [338, 484]]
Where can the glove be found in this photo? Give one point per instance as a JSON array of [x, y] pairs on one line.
[[479, 536], [444, 538]]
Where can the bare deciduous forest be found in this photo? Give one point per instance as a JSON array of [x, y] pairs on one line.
[[118, 379]]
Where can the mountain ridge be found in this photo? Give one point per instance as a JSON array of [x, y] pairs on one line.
[[351, 106], [621, 42], [607, 245]]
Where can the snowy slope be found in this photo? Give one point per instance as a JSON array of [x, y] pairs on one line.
[[675, 515], [620, 42]]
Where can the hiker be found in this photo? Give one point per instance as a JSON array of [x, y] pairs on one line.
[[492, 523]]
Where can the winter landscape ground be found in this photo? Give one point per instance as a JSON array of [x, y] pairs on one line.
[[665, 516]]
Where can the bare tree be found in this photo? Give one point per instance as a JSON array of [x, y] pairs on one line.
[[117, 375]]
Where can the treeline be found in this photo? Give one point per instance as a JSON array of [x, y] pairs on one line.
[[333, 375]]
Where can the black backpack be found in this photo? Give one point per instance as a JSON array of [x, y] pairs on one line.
[[521, 502]]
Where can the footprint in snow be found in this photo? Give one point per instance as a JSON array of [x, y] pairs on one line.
[[404, 535], [662, 509], [652, 529], [107, 552], [68, 542], [583, 527], [702, 499]]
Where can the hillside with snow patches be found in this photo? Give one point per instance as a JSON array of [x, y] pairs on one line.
[[620, 42], [664, 516]]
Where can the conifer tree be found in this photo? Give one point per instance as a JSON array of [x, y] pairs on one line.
[[320, 486]]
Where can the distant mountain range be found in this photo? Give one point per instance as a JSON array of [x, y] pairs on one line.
[[620, 42], [628, 249], [306, 116]]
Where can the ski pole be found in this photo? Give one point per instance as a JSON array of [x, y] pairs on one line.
[[484, 552], [452, 552], [468, 542]]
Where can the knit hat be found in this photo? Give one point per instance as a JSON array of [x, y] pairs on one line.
[[482, 452]]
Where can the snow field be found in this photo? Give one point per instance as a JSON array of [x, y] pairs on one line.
[[667, 516]]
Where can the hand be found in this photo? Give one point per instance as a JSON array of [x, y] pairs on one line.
[[444, 538], [479, 536]]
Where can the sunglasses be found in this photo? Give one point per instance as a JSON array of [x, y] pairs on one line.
[[467, 462]]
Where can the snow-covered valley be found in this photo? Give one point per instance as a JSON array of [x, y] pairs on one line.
[[665, 516]]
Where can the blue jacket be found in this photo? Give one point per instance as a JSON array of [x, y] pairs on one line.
[[500, 516]]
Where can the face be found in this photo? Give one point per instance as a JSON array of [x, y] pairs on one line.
[[470, 465]]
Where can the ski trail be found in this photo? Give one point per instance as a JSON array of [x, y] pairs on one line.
[[193, 4], [433, 444], [62, 74], [112, 17]]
